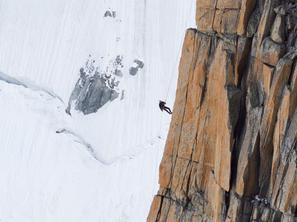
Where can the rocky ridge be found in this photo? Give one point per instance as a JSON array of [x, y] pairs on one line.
[[231, 150]]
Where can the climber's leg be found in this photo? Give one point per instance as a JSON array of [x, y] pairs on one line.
[[168, 110]]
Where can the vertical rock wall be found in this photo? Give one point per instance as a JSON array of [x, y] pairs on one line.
[[231, 151]]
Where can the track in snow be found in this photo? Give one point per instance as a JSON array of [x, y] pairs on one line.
[[94, 153]]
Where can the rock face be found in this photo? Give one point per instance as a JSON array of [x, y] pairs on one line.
[[96, 87], [137, 64], [231, 151], [91, 92]]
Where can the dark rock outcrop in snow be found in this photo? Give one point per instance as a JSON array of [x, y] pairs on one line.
[[231, 152], [93, 89], [118, 65], [91, 93], [110, 13], [137, 65]]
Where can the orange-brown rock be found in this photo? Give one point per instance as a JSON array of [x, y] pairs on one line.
[[231, 151]]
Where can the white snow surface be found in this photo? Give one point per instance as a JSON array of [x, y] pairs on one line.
[[101, 167]]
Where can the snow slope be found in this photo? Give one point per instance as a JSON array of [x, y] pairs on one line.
[[98, 167]]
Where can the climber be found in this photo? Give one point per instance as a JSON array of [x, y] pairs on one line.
[[163, 107]]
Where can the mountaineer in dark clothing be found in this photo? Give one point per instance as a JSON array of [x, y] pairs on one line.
[[163, 107]]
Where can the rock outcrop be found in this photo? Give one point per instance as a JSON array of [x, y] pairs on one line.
[[95, 87], [231, 151], [91, 92]]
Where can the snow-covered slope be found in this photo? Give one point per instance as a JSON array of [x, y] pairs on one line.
[[97, 167]]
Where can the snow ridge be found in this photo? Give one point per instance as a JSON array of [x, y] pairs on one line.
[[10, 80], [92, 151]]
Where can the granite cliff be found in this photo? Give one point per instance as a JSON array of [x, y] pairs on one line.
[[231, 150]]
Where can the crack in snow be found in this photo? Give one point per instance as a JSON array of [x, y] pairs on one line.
[[10, 80], [90, 149], [83, 142]]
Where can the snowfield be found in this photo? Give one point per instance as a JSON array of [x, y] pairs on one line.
[[101, 167]]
